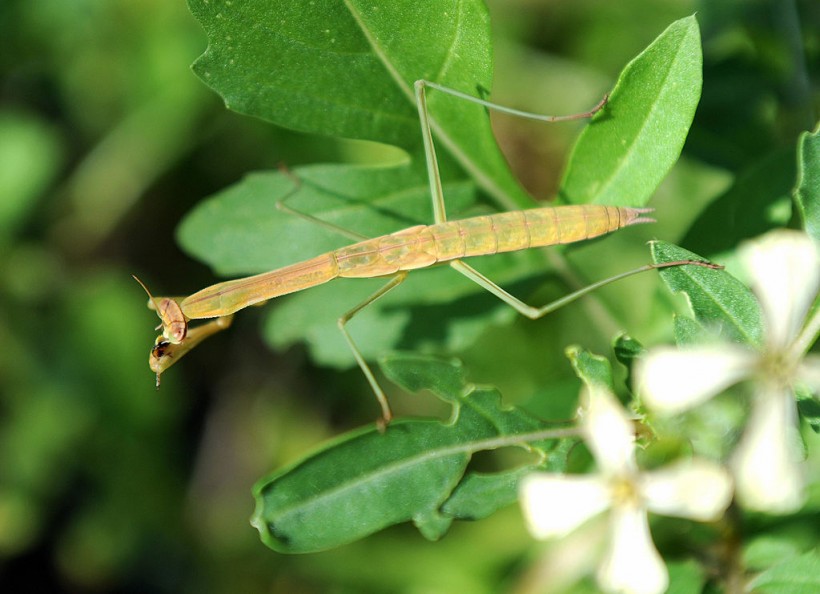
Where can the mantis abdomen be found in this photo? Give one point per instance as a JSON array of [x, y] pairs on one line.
[[425, 245], [418, 247]]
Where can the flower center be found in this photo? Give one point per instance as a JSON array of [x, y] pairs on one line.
[[778, 367], [625, 491]]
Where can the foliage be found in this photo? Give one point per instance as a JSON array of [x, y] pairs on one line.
[[106, 144]]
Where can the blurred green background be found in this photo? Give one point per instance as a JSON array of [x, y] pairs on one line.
[[107, 139]]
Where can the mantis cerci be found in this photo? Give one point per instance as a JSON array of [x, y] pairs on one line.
[[395, 254]]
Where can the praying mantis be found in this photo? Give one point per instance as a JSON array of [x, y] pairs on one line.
[[394, 255]]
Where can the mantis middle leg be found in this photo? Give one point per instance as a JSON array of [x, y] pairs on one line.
[[394, 282]]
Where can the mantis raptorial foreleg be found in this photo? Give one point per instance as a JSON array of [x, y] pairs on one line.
[[165, 353]]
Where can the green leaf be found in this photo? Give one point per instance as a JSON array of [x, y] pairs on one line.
[[342, 69], [367, 480], [443, 377], [809, 410], [719, 301], [800, 575], [636, 139], [685, 577], [592, 369], [480, 495], [807, 192], [687, 330], [358, 485]]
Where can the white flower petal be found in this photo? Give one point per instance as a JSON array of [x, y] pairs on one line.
[[632, 565], [554, 505], [696, 489], [608, 432], [766, 462], [784, 267], [670, 380]]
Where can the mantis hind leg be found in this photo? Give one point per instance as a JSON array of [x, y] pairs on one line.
[[394, 282], [536, 312]]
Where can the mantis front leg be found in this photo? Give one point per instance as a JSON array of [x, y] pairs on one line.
[[165, 353]]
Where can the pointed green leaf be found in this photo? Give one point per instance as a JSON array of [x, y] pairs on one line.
[[631, 145], [807, 192], [719, 301]]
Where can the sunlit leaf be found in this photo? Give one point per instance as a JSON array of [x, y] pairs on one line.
[[719, 301], [632, 144]]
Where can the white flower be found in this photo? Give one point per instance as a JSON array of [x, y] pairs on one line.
[[555, 505], [784, 268]]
